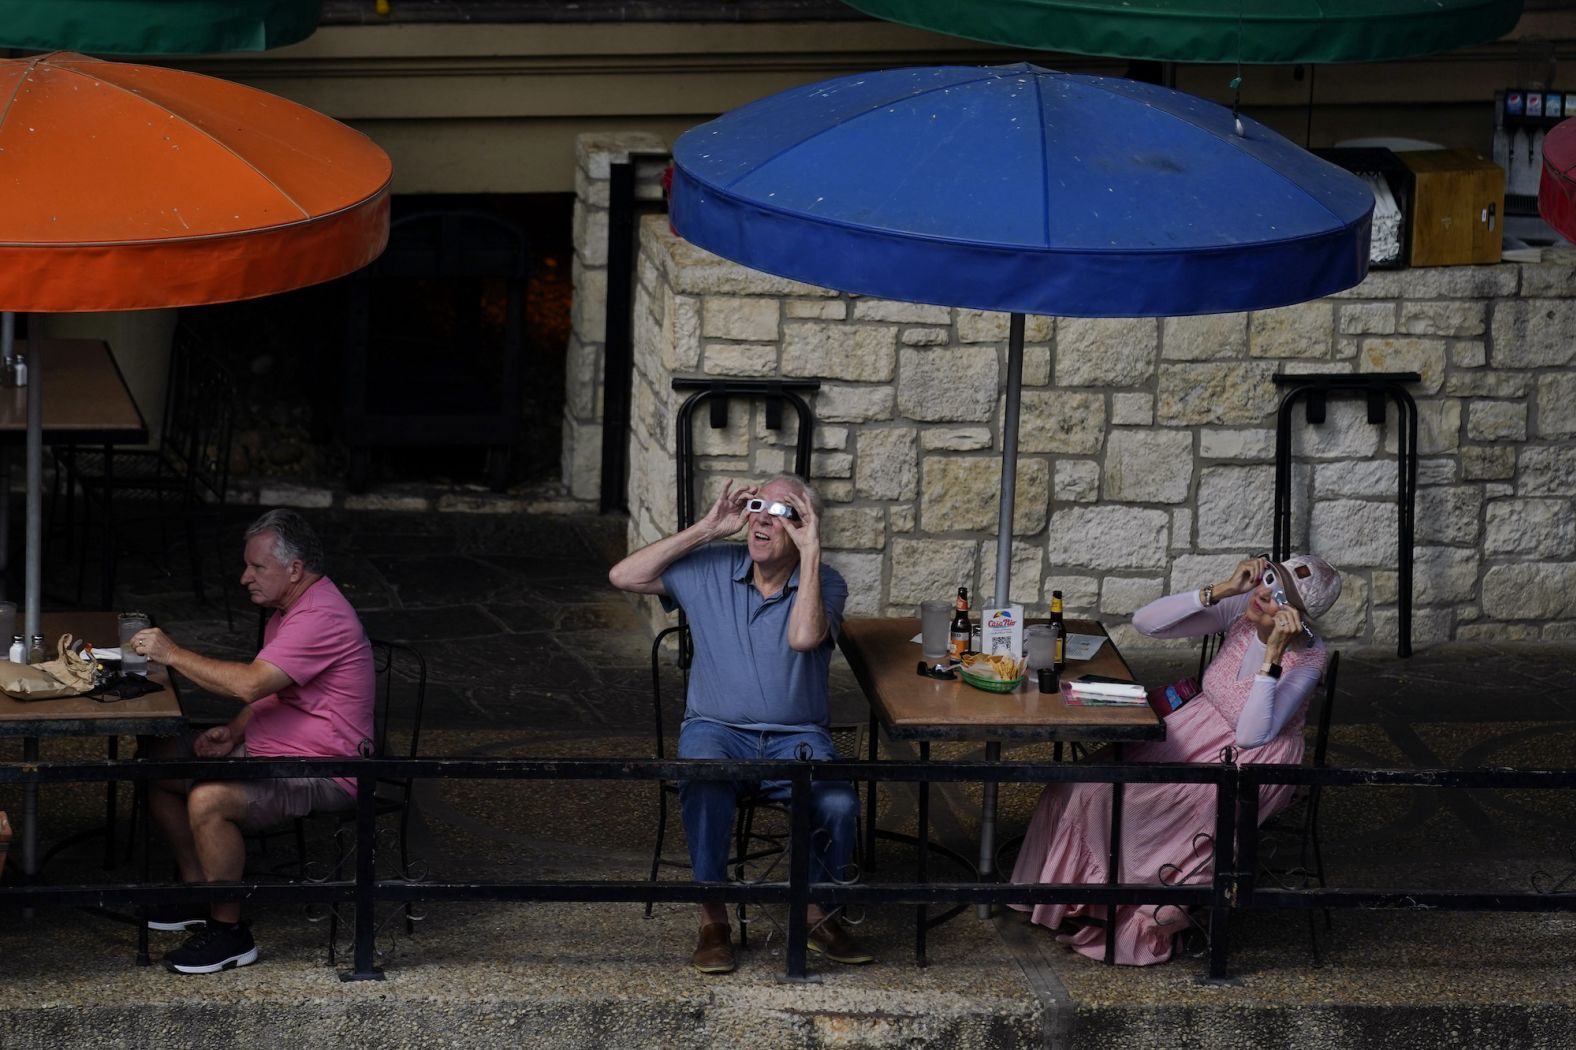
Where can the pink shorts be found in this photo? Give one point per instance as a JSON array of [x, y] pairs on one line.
[[271, 801]]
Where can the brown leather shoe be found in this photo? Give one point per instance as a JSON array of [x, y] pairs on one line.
[[714, 952], [833, 940]]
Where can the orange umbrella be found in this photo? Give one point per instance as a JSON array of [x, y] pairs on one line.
[[126, 187]]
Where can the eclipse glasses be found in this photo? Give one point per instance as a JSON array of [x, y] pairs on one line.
[[776, 508]]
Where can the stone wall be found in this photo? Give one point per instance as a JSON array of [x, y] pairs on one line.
[[1147, 446]]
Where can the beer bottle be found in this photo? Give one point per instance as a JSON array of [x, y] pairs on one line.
[[961, 633], [1060, 628]]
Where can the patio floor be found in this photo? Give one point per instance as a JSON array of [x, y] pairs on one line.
[[531, 654]]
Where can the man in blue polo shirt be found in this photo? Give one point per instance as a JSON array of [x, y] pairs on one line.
[[764, 616]]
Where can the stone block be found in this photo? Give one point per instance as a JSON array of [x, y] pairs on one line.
[[955, 439], [866, 353], [1218, 394], [1109, 537], [903, 313], [1443, 575], [1036, 366], [590, 234], [1386, 586], [1354, 533], [390, 502], [862, 573], [1429, 627], [1252, 445], [1458, 282], [947, 385], [1406, 354], [1077, 480], [924, 337], [1459, 319], [1366, 318], [1553, 278], [1149, 466], [582, 371], [1487, 462], [1080, 594], [855, 528], [1125, 595], [1498, 632], [1469, 353], [1207, 337], [596, 151], [1556, 405], [1061, 421], [903, 517], [1448, 514], [852, 403], [1372, 478], [962, 493], [1483, 383], [1300, 331], [1497, 421], [1438, 428], [581, 458], [924, 569], [1535, 528], [990, 326], [741, 359], [1105, 351], [735, 317], [1530, 591], [840, 490], [1189, 572], [1348, 617], [1344, 434], [1181, 528], [1134, 410], [815, 309], [834, 438], [770, 462], [888, 463], [588, 314], [681, 330], [1560, 632], [1533, 333], [1547, 471], [832, 465], [1234, 507], [1437, 471]]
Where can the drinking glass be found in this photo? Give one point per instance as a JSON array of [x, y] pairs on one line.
[[934, 619], [130, 623], [1039, 645]]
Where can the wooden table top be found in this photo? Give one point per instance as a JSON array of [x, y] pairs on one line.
[[85, 396], [913, 707], [155, 714]]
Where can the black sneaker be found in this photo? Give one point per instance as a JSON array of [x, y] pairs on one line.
[[213, 948], [176, 918]]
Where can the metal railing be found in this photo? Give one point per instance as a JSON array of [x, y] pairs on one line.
[[1231, 886]]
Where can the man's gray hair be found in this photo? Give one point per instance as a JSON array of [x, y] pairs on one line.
[[817, 504], [293, 538]]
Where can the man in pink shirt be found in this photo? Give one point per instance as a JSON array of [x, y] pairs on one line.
[[307, 693]]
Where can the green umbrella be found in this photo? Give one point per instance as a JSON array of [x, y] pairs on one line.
[[155, 27], [1214, 30]]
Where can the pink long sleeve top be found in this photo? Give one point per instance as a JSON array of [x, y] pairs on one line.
[[1272, 701]]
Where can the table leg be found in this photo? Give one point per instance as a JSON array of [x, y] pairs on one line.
[[922, 871], [29, 819], [1113, 869], [141, 789], [5, 519], [111, 794], [870, 802], [988, 826]]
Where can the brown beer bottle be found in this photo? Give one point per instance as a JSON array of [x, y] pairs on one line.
[[1061, 630], [961, 633]]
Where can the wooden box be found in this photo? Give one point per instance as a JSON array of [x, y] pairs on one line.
[[1458, 201]]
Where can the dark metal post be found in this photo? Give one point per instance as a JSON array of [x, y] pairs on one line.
[[366, 880], [799, 875], [922, 865], [1113, 871], [1225, 886], [618, 361], [870, 798]]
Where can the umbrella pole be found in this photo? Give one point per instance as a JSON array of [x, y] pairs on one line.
[[1009, 461], [35, 488], [7, 351]]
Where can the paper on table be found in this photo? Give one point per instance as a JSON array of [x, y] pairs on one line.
[[107, 652], [1083, 646]]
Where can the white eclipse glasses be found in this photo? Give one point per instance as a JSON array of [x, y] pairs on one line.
[[776, 508], [1271, 579]]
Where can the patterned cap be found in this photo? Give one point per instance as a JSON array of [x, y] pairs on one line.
[[1311, 584]]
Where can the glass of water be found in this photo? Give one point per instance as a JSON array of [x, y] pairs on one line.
[[130, 623]]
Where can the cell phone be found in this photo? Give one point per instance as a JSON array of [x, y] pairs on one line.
[[1103, 678]]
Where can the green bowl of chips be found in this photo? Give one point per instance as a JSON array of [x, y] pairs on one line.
[[979, 672]]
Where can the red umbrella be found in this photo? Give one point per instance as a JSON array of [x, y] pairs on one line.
[[1557, 189], [126, 187]]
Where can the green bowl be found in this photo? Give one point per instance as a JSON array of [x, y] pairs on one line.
[[992, 685]]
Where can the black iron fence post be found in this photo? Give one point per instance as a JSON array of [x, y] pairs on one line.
[[366, 880], [1225, 885], [799, 875]]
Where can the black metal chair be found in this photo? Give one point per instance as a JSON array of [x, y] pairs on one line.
[[186, 477]]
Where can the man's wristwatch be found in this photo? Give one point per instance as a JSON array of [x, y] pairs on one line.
[[1271, 668]]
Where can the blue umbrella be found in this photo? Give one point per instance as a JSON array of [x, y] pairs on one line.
[[1023, 190]]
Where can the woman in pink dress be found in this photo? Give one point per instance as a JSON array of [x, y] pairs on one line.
[[1255, 695]]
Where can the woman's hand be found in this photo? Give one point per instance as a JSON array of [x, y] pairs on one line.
[[1287, 626], [1243, 578], [727, 515]]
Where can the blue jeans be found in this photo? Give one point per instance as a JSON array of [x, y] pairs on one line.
[[708, 805]]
